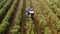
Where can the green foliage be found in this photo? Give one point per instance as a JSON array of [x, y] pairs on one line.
[[51, 8], [15, 31], [16, 27], [5, 22]]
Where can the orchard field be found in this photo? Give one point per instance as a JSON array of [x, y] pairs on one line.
[[13, 18]]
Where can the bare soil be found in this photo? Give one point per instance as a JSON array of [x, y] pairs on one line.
[[36, 21], [12, 23], [23, 30], [50, 25]]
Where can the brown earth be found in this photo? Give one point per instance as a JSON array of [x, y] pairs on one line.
[[36, 21], [52, 28], [13, 18], [23, 30]]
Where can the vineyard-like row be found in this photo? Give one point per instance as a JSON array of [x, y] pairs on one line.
[[47, 13]]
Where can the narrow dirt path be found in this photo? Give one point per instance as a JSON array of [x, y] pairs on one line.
[[53, 30], [36, 21], [23, 30], [13, 18]]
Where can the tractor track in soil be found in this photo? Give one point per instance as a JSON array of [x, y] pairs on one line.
[[13, 18], [23, 30], [36, 21], [50, 25]]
